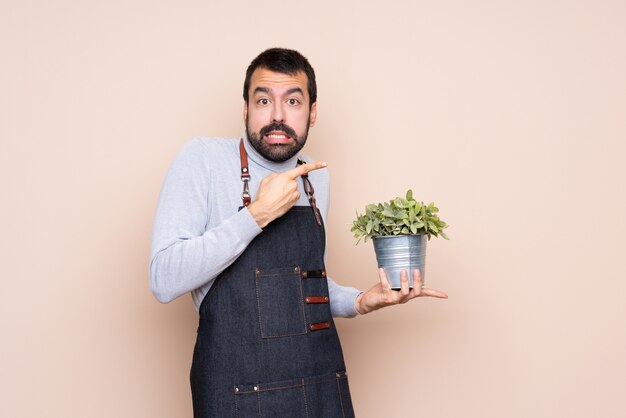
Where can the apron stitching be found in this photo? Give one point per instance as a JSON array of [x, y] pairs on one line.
[[306, 404], [270, 389], [261, 274], [258, 400], [258, 302], [302, 302], [340, 397], [283, 335]]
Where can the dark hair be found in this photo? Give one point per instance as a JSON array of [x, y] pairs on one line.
[[285, 61]]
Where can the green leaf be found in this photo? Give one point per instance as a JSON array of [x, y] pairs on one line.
[[411, 215], [409, 194], [432, 227]]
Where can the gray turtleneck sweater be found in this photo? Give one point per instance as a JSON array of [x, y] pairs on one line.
[[198, 229]]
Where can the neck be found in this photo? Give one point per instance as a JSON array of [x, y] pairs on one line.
[[264, 162]]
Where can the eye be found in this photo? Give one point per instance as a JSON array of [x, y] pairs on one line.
[[263, 101], [293, 102]]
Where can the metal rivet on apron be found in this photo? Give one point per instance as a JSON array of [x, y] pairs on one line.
[[256, 388], [296, 270], [338, 375], [236, 390]]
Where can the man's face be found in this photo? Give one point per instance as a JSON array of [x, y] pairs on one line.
[[278, 116]]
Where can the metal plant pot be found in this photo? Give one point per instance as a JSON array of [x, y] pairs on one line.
[[401, 252]]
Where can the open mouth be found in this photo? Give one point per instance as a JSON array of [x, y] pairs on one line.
[[277, 138]]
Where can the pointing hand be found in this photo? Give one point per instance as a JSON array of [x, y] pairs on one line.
[[278, 193]]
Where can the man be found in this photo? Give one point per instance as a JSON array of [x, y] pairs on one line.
[[240, 226]]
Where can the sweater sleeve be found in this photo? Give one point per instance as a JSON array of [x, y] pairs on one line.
[[185, 254], [342, 299]]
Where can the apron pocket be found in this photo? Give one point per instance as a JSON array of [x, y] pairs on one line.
[[276, 399], [280, 302], [328, 396]]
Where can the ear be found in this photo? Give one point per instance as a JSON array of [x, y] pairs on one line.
[[313, 115], [245, 111]]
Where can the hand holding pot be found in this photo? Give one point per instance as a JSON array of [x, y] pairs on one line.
[[381, 294]]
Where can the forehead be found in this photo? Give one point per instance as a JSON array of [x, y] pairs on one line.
[[277, 82]]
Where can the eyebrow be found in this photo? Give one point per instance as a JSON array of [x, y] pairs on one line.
[[295, 90], [261, 90], [267, 90]]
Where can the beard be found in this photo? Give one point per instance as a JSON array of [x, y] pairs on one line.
[[277, 152]]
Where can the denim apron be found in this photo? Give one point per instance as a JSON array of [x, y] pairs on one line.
[[267, 345]]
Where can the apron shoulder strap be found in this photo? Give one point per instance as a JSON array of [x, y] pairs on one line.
[[245, 173]]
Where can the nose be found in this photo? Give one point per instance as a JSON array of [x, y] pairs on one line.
[[277, 113]]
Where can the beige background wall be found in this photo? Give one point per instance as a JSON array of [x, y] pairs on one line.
[[511, 115]]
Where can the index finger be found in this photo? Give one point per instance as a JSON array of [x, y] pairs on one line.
[[303, 169], [433, 293]]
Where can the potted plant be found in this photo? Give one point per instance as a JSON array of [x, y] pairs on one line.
[[399, 229]]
